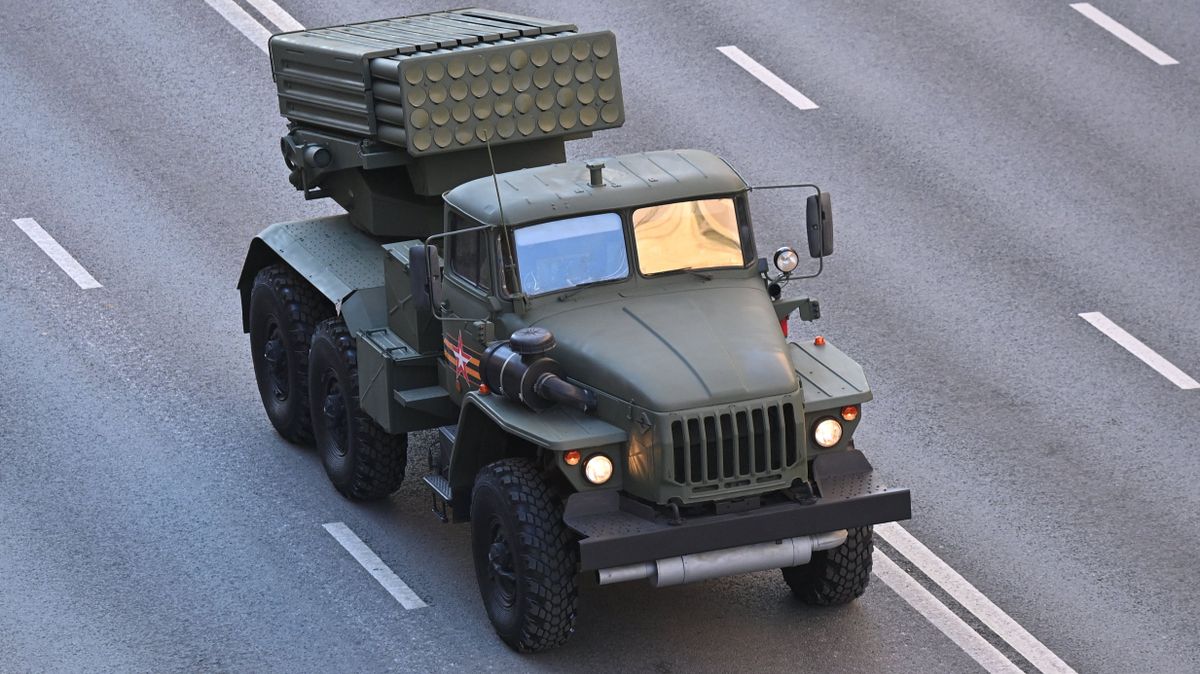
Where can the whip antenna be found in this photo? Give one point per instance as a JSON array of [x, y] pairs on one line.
[[510, 257]]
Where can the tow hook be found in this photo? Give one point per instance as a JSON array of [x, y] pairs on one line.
[[676, 519], [801, 492]]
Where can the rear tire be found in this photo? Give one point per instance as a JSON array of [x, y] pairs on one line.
[[525, 558], [362, 460], [284, 310], [837, 576]]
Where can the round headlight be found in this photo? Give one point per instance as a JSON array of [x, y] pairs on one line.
[[786, 260], [827, 433], [598, 469]]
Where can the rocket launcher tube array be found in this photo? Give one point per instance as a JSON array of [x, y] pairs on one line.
[[450, 81]]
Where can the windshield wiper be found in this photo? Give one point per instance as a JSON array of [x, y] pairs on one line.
[[575, 290], [698, 274]]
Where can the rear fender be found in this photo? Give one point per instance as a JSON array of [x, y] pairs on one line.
[[345, 265]]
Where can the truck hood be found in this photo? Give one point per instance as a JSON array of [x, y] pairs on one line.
[[678, 350]]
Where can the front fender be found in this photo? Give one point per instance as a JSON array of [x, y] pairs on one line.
[[487, 421], [828, 377]]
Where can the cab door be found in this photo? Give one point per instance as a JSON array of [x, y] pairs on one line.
[[468, 285]]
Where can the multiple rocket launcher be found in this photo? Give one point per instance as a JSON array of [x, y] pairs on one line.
[[387, 115], [449, 81]]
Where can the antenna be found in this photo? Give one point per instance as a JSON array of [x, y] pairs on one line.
[[510, 256], [495, 180]]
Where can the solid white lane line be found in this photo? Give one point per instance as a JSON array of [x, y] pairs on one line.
[[941, 617], [1124, 34], [768, 78], [242, 20], [1136, 347], [374, 565], [972, 599], [276, 15], [57, 253]]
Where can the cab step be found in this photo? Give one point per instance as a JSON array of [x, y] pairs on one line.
[[442, 495], [430, 399]]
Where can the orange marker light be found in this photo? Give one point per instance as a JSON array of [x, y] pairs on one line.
[[484, 390], [572, 457], [819, 341], [850, 412]]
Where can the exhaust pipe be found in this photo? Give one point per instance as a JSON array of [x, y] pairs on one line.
[[718, 563]]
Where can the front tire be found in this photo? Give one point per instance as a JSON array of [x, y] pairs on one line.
[[284, 310], [836, 576], [362, 460], [525, 558]]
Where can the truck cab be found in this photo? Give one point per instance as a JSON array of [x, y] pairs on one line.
[[644, 269]]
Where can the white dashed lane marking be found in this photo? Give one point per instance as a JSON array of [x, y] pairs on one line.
[[276, 15], [374, 565], [970, 598], [768, 78], [241, 19], [57, 253], [1124, 34], [1136, 347], [941, 617]]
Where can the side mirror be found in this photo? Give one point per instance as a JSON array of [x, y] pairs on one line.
[[424, 267], [820, 225]]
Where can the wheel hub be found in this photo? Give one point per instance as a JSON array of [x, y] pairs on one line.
[[276, 357], [500, 568], [333, 408]]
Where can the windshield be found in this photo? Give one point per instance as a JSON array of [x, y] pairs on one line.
[[566, 253], [687, 235]]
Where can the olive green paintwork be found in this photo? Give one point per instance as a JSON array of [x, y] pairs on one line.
[[700, 396], [398, 384], [558, 429], [666, 351], [673, 344], [341, 262], [417, 328], [671, 356], [831, 378], [680, 349], [492, 427], [445, 82], [564, 190]]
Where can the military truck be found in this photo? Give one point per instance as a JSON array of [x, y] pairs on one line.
[[599, 345]]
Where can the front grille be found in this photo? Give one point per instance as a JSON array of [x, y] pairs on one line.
[[734, 449]]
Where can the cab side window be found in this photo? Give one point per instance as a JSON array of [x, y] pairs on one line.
[[469, 253]]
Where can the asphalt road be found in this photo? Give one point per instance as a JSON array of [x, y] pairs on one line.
[[996, 171]]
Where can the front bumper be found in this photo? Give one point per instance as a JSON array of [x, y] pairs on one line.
[[615, 530]]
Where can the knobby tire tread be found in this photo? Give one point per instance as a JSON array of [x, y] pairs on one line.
[[378, 459], [836, 576], [548, 551]]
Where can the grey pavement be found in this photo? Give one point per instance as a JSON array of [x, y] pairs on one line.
[[996, 170]]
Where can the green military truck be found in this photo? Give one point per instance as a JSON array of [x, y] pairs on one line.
[[599, 344]]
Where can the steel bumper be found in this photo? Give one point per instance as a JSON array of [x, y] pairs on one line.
[[616, 531]]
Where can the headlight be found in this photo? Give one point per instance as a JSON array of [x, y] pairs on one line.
[[827, 433], [599, 468], [786, 260]]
